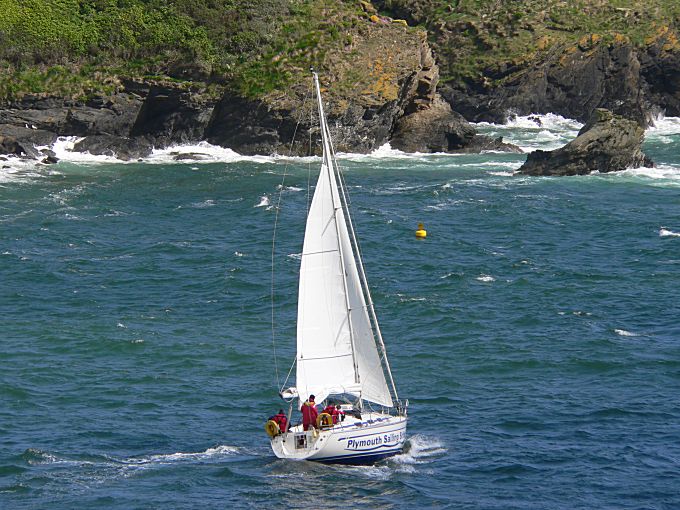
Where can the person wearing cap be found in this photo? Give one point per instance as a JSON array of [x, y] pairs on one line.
[[309, 413]]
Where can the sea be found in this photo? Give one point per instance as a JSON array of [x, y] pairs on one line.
[[535, 332]]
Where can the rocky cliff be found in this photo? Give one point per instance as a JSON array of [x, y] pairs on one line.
[[411, 72], [569, 58], [380, 79]]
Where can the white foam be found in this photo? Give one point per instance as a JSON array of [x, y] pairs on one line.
[[383, 152], [663, 125], [202, 152], [204, 204], [406, 299], [421, 450], [668, 173], [264, 201], [15, 168], [531, 132], [623, 332], [210, 453], [63, 148], [288, 188], [664, 232], [485, 278], [548, 121], [387, 152]]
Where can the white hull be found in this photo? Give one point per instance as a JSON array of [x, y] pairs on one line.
[[353, 441]]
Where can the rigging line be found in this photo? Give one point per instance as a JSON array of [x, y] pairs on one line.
[[276, 222], [309, 163], [290, 371]]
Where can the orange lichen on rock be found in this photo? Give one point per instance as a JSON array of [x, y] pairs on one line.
[[665, 36], [588, 42], [383, 82]]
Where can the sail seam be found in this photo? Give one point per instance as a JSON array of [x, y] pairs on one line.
[[328, 357], [318, 252]]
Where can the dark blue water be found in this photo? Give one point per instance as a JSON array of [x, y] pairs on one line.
[[535, 333]]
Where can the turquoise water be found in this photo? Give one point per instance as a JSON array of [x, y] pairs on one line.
[[535, 332]]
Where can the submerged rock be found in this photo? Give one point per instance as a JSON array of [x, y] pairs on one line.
[[607, 143]]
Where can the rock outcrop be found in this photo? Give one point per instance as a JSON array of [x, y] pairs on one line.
[[571, 81], [393, 98], [398, 76], [607, 143], [437, 128]]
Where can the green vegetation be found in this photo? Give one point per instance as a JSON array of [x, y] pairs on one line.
[[475, 38], [79, 47]]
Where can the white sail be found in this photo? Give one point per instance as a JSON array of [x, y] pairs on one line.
[[336, 347]]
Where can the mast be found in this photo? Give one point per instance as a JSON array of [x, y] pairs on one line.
[[335, 170], [330, 166]]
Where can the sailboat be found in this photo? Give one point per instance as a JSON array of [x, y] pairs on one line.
[[341, 357]]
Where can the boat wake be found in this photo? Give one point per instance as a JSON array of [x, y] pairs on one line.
[[92, 469], [210, 455], [421, 449], [419, 452]]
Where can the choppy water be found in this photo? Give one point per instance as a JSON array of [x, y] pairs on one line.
[[535, 332]]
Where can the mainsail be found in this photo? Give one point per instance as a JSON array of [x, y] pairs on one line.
[[336, 346]]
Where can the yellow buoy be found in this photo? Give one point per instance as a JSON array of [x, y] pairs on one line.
[[421, 232]]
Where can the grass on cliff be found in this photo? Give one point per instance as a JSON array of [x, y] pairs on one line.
[[83, 47], [481, 37]]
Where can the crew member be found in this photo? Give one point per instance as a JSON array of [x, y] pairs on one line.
[[338, 414], [281, 420], [309, 413]]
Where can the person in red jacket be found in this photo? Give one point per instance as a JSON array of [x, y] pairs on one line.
[[281, 421], [338, 414], [309, 413]]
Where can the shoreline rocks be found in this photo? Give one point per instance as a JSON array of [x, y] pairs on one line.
[[607, 143], [395, 99]]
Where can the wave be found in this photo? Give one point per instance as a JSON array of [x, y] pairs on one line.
[[623, 332], [264, 201], [530, 132], [15, 168], [100, 468], [664, 232], [421, 449], [202, 152], [661, 174], [548, 121], [663, 125], [215, 453], [386, 152]]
